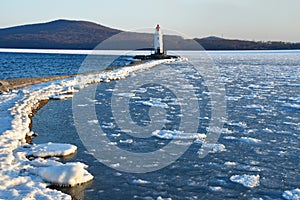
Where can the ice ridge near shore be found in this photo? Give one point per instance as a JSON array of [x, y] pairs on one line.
[[25, 178]]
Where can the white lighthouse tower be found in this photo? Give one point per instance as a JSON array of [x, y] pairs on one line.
[[158, 41]]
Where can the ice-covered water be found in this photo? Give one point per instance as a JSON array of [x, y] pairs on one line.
[[258, 154]]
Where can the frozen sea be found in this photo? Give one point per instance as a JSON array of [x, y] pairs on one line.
[[258, 152]]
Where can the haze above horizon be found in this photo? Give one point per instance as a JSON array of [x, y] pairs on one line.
[[266, 20]]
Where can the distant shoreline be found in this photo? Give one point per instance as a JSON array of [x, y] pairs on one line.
[[123, 52]]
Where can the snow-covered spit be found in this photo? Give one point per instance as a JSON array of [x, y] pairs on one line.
[[27, 170]]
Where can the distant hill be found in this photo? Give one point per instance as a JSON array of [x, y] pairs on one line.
[[59, 34], [215, 43], [69, 34], [212, 38]]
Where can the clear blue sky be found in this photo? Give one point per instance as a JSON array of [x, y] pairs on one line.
[[243, 19]]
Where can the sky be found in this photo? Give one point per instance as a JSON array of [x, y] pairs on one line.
[[259, 20]]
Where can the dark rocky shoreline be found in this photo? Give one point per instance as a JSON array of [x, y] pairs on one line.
[[155, 57]]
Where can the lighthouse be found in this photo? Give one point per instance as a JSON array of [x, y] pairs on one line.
[[158, 41], [159, 52]]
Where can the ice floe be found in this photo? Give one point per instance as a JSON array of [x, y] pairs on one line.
[[249, 181], [162, 198], [215, 188], [168, 135], [254, 106], [233, 98], [249, 140], [292, 105], [243, 139], [292, 194], [61, 97], [155, 104], [128, 141], [243, 167], [139, 182], [68, 174], [210, 147], [238, 124], [229, 163]]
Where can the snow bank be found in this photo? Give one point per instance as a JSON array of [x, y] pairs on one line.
[[16, 107], [249, 181], [292, 194], [69, 174], [52, 149]]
